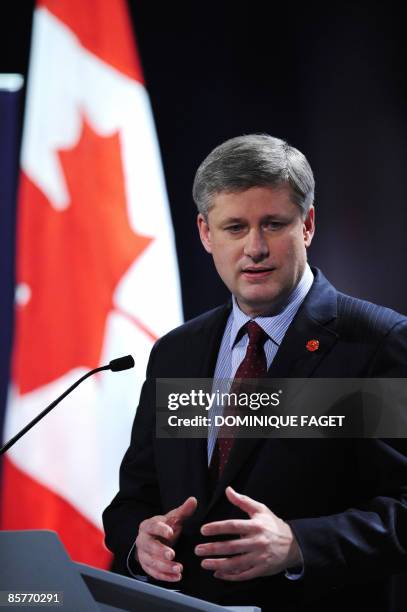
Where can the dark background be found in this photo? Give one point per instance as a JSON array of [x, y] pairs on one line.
[[330, 80]]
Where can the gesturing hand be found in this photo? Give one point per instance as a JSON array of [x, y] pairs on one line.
[[263, 545], [156, 536]]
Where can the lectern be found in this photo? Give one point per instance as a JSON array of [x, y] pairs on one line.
[[35, 567]]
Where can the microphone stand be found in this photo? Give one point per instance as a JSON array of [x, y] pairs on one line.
[[122, 363]]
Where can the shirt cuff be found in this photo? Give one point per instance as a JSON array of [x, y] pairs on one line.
[[296, 573]]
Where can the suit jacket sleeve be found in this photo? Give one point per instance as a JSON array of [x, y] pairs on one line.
[[369, 539], [138, 497]]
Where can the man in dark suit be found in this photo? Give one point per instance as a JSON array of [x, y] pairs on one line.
[[284, 524]]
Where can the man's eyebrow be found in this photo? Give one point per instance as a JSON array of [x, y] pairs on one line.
[[234, 220], [271, 217]]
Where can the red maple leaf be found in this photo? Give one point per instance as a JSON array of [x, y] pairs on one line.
[[72, 261]]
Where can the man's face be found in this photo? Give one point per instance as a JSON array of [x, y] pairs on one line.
[[258, 239]]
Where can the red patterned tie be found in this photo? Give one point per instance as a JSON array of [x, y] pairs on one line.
[[254, 365]]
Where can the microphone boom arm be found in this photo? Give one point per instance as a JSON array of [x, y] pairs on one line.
[[122, 363]]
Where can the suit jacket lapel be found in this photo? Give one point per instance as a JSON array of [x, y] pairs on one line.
[[315, 320]]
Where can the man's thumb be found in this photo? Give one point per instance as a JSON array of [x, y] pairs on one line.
[[183, 511]]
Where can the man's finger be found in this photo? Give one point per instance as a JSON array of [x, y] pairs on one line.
[[183, 511], [231, 565], [158, 574], [159, 565], [157, 528], [229, 547], [245, 503], [156, 549], [253, 572], [231, 526]]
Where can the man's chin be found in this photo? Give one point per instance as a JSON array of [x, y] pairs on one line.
[[255, 304]]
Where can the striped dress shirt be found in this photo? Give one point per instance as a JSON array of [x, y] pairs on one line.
[[234, 344]]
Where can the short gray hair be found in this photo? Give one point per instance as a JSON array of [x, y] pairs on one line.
[[254, 160]]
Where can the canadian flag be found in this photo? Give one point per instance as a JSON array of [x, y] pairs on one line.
[[96, 269]]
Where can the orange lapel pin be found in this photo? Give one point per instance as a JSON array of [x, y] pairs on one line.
[[312, 345]]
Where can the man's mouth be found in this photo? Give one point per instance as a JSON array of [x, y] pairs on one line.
[[256, 272]]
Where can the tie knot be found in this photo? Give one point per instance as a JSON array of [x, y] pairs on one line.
[[257, 335]]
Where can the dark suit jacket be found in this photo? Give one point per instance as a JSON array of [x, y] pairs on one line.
[[345, 499]]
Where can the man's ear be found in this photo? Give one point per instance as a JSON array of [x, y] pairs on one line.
[[204, 233], [309, 227]]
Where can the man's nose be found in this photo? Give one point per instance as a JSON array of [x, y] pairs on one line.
[[256, 246]]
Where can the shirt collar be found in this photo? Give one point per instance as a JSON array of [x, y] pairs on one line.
[[277, 325]]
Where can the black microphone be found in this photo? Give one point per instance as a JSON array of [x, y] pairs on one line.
[[116, 365], [121, 363]]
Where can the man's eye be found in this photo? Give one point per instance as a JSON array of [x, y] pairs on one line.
[[234, 229], [274, 225]]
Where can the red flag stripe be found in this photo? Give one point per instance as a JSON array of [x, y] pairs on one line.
[[104, 29], [27, 504]]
